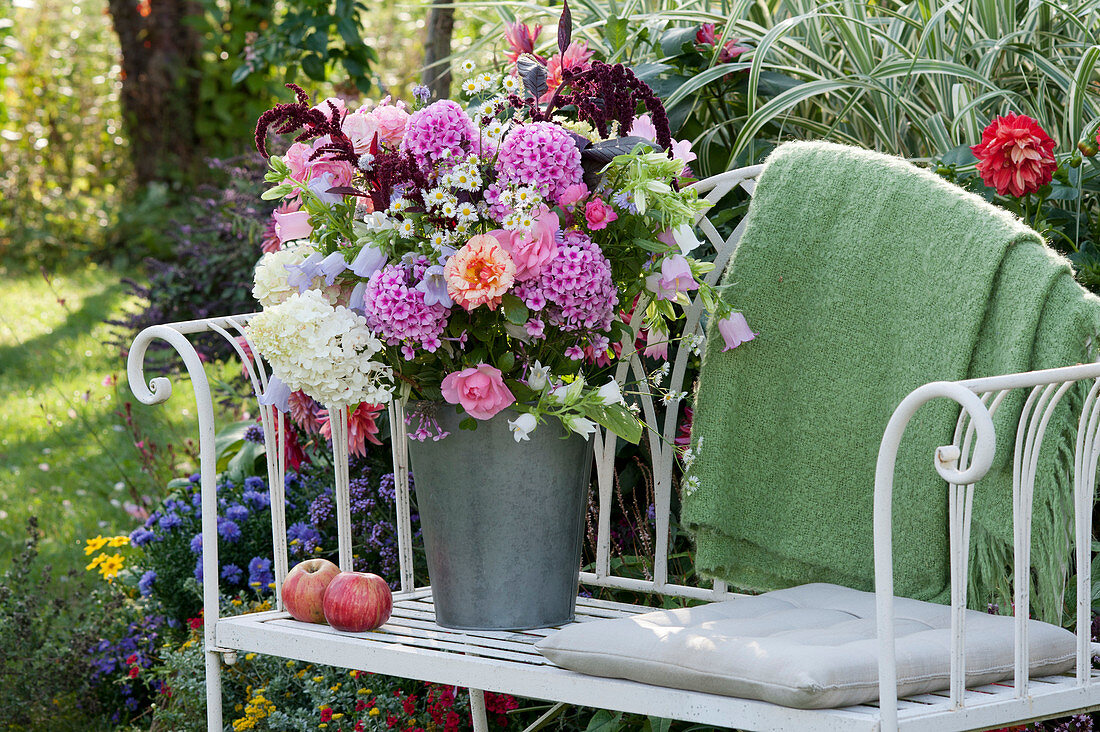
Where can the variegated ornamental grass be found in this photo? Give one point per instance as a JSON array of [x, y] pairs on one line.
[[912, 78]]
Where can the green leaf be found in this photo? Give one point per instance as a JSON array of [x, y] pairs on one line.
[[604, 721], [615, 33], [617, 419], [314, 67], [348, 31], [506, 362], [229, 437], [659, 724], [277, 192], [658, 247], [240, 73], [468, 424], [514, 309]]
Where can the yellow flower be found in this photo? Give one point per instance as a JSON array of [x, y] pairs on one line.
[[318, 679], [363, 691], [338, 715], [236, 602], [238, 707], [94, 545], [96, 562], [374, 711], [291, 663], [249, 657], [335, 688], [111, 566], [117, 541]]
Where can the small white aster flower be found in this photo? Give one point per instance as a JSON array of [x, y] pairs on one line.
[[406, 229], [448, 209], [471, 87], [691, 485], [439, 239], [462, 227], [467, 212], [437, 197], [526, 222], [467, 66], [486, 80], [510, 84], [399, 205]]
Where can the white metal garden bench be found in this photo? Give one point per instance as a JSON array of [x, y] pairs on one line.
[[412, 645]]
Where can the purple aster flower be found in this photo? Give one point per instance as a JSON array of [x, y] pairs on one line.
[[169, 521], [228, 530], [302, 537], [277, 394], [255, 433], [141, 536], [198, 569], [232, 574], [259, 572], [434, 287], [145, 584], [196, 544], [236, 512], [369, 260], [259, 500], [196, 499], [623, 200], [422, 93], [194, 478], [254, 483], [541, 155]]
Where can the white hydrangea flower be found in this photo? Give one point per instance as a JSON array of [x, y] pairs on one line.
[[270, 285], [325, 351]]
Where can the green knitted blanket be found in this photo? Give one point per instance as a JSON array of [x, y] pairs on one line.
[[865, 278]]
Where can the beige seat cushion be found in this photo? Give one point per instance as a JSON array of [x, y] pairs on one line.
[[811, 647]]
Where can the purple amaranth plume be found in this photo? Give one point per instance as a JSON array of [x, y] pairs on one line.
[[299, 115]]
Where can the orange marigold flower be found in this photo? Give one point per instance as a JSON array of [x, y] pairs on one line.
[[1015, 155], [479, 273]]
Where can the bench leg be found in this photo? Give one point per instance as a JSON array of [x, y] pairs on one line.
[[213, 692], [477, 710]]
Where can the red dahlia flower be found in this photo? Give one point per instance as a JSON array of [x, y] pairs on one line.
[[1015, 155]]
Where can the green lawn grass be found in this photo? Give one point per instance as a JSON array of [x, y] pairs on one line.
[[66, 453]]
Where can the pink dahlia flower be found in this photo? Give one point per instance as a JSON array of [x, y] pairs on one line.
[[438, 128], [305, 412], [362, 427], [576, 58], [541, 155], [521, 39], [1015, 155], [479, 273], [479, 389]]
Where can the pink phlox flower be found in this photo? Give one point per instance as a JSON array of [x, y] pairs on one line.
[[599, 214], [479, 389], [675, 277], [735, 330], [574, 352], [396, 310], [535, 328], [441, 127], [521, 39], [541, 155]]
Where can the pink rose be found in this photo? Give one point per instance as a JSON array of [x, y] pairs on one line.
[[479, 389], [533, 248], [599, 214], [337, 102], [360, 128], [291, 226], [390, 121], [572, 194], [643, 127], [303, 169]]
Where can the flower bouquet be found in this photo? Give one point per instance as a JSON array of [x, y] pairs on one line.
[[500, 256], [490, 256]]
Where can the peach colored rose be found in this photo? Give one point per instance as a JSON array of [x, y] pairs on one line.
[[360, 128], [531, 249], [390, 121], [479, 389], [479, 273]]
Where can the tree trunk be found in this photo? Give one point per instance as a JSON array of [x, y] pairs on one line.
[[160, 54], [436, 74]]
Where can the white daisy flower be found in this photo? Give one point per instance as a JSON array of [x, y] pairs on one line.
[[448, 209], [471, 87], [406, 229], [399, 205], [467, 67], [510, 84], [467, 212]]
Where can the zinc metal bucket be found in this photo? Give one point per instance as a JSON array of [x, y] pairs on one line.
[[502, 521]]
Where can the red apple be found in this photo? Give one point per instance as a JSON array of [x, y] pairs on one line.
[[304, 589], [357, 601]]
